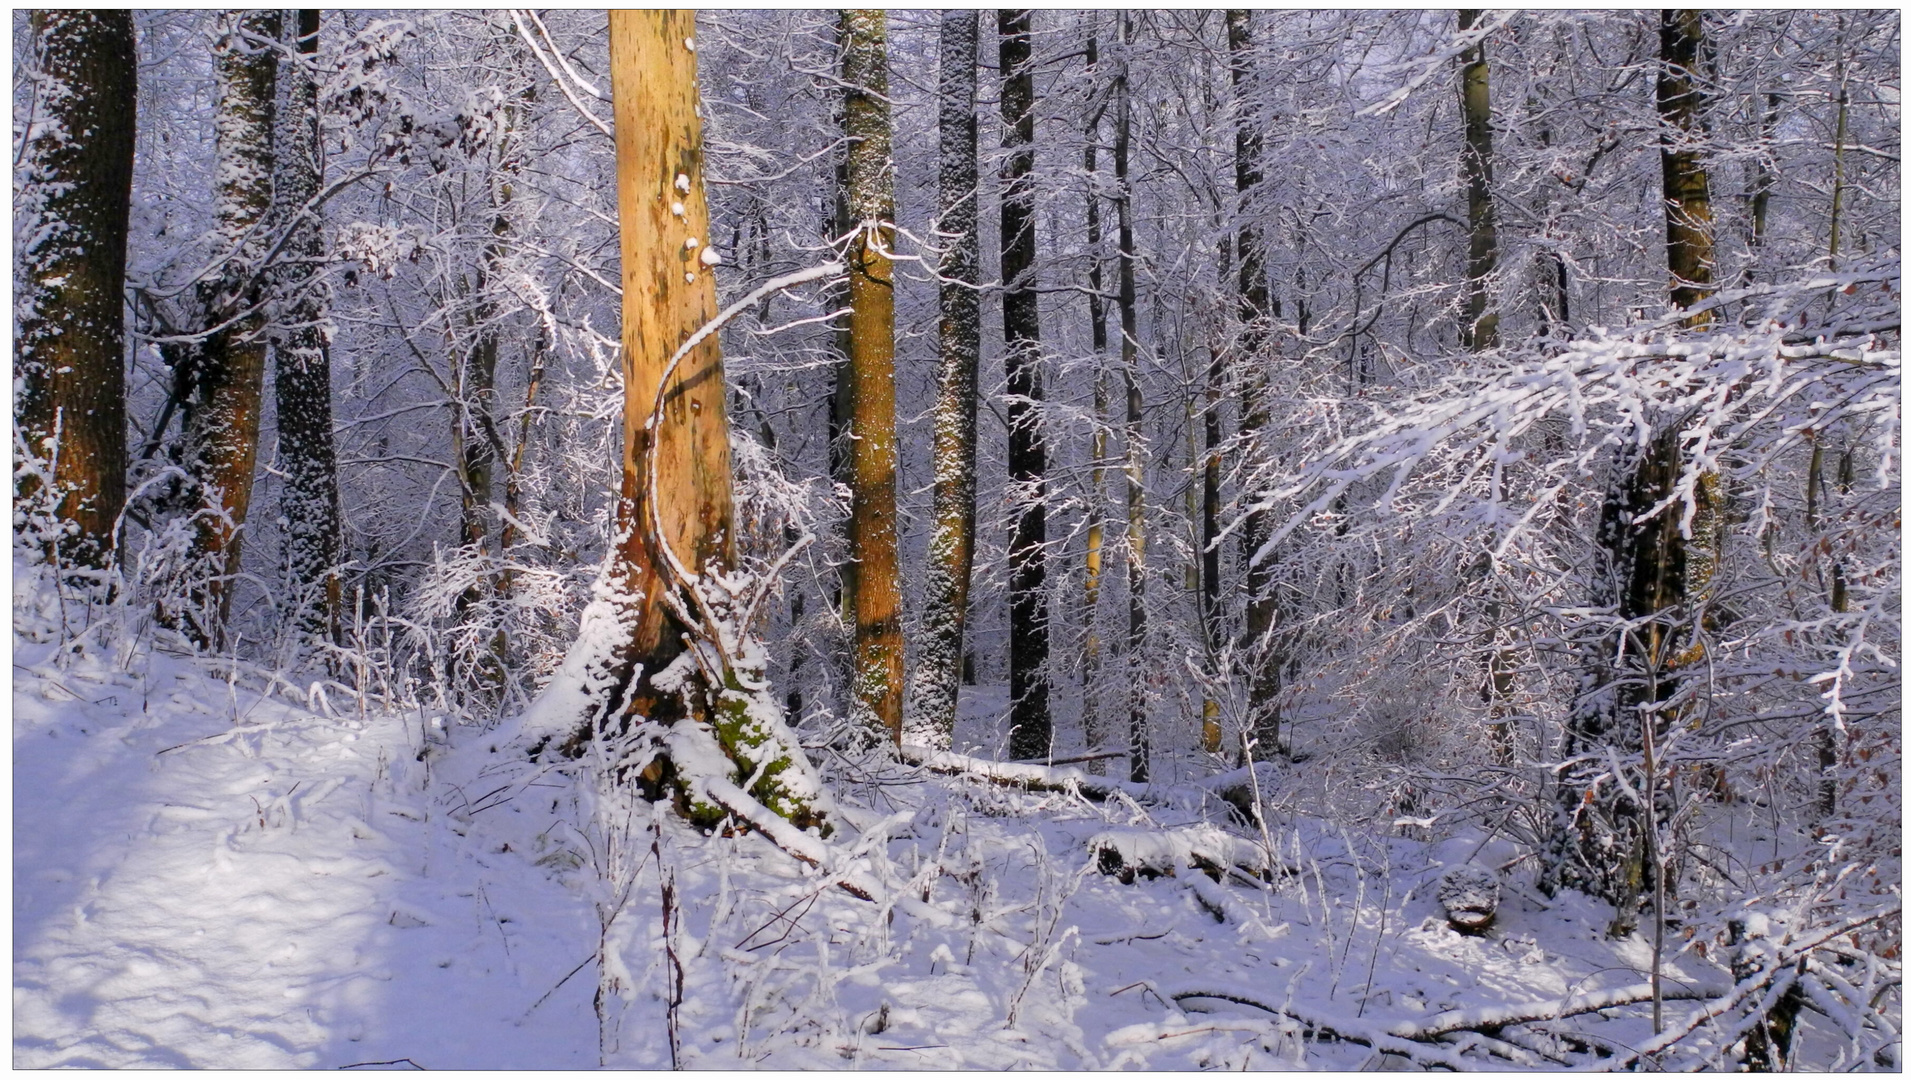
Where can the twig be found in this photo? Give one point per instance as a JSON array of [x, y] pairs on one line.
[[560, 985]]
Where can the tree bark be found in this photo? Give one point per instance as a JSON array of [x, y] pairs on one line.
[[1029, 734], [1611, 847], [938, 678], [1092, 727], [876, 692], [668, 295], [223, 378], [69, 364], [1260, 651], [302, 367], [715, 739], [1138, 661], [1480, 329], [1688, 202]]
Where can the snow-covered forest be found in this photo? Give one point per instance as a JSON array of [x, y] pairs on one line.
[[997, 539]]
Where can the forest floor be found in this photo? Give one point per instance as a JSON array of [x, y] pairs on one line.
[[205, 876]]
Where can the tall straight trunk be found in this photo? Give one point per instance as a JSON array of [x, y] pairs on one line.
[[1029, 725], [1259, 649], [1840, 132], [1093, 734], [835, 232], [223, 378], [302, 366], [1137, 447], [715, 729], [69, 365], [1211, 625], [937, 683], [1688, 202], [668, 295], [876, 689], [1480, 328]]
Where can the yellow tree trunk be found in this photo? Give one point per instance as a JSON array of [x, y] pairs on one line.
[[668, 295], [877, 600]]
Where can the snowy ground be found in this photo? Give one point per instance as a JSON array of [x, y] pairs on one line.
[[205, 877]]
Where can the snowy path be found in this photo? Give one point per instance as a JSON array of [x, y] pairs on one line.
[[283, 896]]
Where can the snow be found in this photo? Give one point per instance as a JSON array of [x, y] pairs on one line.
[[286, 891], [210, 877]]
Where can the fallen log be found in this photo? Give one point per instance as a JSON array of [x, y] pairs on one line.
[[1020, 774]]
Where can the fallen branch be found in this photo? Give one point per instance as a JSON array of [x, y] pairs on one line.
[[1347, 1029], [1018, 774]]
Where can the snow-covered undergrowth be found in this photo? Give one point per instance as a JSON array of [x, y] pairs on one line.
[[207, 876]]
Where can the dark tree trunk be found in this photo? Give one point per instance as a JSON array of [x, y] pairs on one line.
[[1029, 734], [938, 679], [1610, 844], [1688, 202], [69, 365], [1092, 726], [1138, 741], [1260, 650], [1480, 329]]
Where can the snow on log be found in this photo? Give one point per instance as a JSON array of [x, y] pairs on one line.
[[1128, 853], [1039, 777], [1470, 896]]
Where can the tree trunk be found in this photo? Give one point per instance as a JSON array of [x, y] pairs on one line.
[[1480, 329], [668, 295], [656, 601], [1093, 734], [1688, 202], [876, 689], [1138, 661], [302, 369], [1029, 733], [1611, 846], [69, 365], [223, 378], [1762, 182], [938, 677], [1259, 649]]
